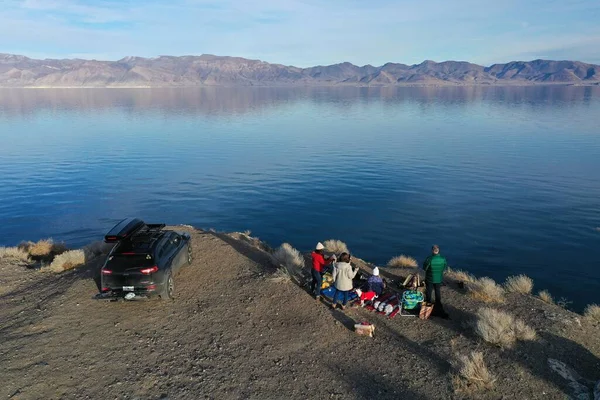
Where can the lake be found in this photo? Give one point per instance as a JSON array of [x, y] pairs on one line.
[[505, 179]]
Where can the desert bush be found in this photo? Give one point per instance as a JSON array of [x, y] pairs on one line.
[[403, 261], [545, 296], [14, 254], [519, 284], [523, 331], [486, 289], [501, 328], [563, 302], [459, 275], [66, 261], [282, 275], [95, 249], [592, 313], [41, 248], [471, 373], [335, 246], [290, 263]]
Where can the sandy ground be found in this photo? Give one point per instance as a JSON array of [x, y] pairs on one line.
[[234, 333]]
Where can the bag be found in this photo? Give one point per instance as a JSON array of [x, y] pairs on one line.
[[364, 329], [412, 281], [410, 299], [426, 309]]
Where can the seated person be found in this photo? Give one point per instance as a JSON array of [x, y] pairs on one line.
[[375, 283]]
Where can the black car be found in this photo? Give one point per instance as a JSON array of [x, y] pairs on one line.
[[144, 260]]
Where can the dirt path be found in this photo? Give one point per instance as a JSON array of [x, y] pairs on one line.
[[234, 333]]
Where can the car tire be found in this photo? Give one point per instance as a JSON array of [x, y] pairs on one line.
[[190, 257], [168, 290]]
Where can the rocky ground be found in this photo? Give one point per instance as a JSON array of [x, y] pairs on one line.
[[233, 332]]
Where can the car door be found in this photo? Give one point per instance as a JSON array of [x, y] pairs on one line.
[[180, 256], [172, 251]]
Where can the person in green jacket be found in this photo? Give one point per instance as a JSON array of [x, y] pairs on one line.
[[434, 267]]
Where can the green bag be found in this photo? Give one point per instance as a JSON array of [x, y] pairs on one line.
[[411, 299]]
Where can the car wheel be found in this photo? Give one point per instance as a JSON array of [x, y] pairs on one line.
[[189, 254], [168, 290]]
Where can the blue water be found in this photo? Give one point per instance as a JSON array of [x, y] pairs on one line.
[[505, 180]]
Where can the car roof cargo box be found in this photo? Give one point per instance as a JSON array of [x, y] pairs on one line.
[[124, 229]]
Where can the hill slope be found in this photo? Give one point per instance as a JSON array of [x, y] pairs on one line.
[[21, 71], [233, 332]]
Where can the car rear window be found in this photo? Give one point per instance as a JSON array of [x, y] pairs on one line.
[[129, 261]]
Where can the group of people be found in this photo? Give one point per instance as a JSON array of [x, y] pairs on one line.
[[344, 273]]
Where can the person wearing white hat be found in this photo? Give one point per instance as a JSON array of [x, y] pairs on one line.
[[375, 283], [318, 263]]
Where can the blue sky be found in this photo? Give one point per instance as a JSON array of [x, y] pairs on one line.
[[305, 32]]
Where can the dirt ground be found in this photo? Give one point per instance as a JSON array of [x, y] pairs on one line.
[[234, 333]]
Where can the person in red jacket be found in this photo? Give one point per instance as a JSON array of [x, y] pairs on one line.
[[318, 262]]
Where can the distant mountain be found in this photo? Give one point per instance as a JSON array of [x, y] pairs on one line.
[[210, 70]]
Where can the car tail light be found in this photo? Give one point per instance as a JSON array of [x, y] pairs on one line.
[[148, 271], [106, 272], [151, 287], [105, 289]]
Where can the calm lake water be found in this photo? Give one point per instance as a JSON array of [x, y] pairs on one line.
[[505, 180]]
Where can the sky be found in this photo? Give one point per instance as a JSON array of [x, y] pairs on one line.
[[305, 32]]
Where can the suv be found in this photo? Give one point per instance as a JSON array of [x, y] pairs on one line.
[[143, 261]]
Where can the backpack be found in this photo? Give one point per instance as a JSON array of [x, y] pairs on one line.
[[411, 299]]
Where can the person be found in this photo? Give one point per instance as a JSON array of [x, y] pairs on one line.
[[434, 267], [318, 263], [375, 283], [343, 273]]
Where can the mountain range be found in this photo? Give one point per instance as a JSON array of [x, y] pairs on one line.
[[210, 70]]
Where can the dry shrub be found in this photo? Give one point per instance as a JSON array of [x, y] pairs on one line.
[[281, 276], [519, 284], [459, 275], [486, 289], [471, 373], [592, 313], [290, 263], [403, 261], [500, 328], [66, 261], [335, 246], [96, 249], [545, 296], [14, 254], [42, 248], [523, 331], [25, 246]]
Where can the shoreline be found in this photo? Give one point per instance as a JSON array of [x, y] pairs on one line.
[[333, 85]]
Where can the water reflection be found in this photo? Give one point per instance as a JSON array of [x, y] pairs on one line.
[[226, 101]]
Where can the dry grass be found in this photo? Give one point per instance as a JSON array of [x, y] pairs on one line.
[[501, 328], [486, 289], [43, 248], [519, 284], [336, 246], [592, 313], [523, 331], [403, 261], [471, 373], [290, 263], [545, 296], [14, 254], [281, 276], [66, 261], [459, 275]]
